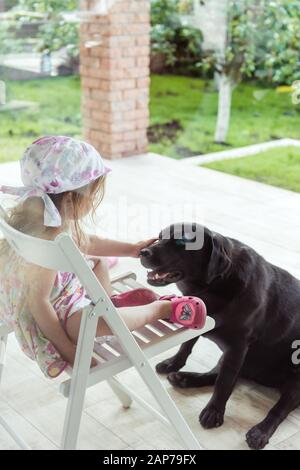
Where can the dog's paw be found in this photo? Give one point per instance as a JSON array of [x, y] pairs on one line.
[[167, 366], [178, 379], [257, 438], [211, 417]]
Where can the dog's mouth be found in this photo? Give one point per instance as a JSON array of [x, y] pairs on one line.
[[158, 277]]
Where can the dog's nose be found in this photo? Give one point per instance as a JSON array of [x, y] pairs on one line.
[[145, 252]]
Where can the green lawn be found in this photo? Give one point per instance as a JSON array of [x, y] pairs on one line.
[[58, 113], [183, 115], [258, 115], [277, 167]]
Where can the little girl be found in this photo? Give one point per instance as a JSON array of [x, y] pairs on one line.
[[63, 182]]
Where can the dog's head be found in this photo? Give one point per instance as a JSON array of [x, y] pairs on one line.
[[185, 252]]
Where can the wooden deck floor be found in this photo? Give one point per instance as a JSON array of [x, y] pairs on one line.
[[143, 194]]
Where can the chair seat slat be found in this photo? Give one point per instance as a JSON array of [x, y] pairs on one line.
[[132, 283], [116, 345], [148, 333], [104, 352], [120, 287]]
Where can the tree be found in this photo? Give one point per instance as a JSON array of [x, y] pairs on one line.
[[279, 58], [48, 7], [177, 43], [237, 59], [262, 41]]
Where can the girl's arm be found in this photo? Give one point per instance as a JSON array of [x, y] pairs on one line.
[[104, 247], [40, 285]]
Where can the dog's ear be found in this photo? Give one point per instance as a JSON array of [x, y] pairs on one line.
[[220, 261]]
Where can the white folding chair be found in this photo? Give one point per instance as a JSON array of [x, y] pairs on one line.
[[125, 350]]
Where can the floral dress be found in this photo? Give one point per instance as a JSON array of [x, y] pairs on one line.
[[67, 297]]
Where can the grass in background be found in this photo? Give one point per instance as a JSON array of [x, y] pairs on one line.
[[183, 115], [258, 115], [277, 167], [58, 113]]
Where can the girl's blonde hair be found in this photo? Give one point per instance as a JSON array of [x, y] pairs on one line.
[[28, 217]]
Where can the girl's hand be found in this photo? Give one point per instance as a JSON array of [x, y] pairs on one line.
[[137, 247]]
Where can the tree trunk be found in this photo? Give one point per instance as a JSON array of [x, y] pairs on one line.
[[224, 108]]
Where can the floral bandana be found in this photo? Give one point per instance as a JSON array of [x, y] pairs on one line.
[[53, 165]]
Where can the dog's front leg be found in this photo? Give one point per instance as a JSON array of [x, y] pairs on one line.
[[233, 359], [175, 363], [260, 434]]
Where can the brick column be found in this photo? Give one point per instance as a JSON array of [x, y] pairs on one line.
[[115, 73]]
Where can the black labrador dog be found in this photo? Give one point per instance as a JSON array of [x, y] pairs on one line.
[[256, 307]]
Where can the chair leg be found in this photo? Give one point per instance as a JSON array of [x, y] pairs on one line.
[[168, 407], [79, 381], [16, 437], [140, 362], [118, 390]]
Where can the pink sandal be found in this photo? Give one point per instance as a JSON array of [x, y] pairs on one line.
[[187, 311], [134, 298]]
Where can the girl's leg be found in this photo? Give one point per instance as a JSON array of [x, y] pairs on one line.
[[134, 317], [102, 272]]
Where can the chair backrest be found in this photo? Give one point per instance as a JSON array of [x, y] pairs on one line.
[[45, 253], [61, 254]]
